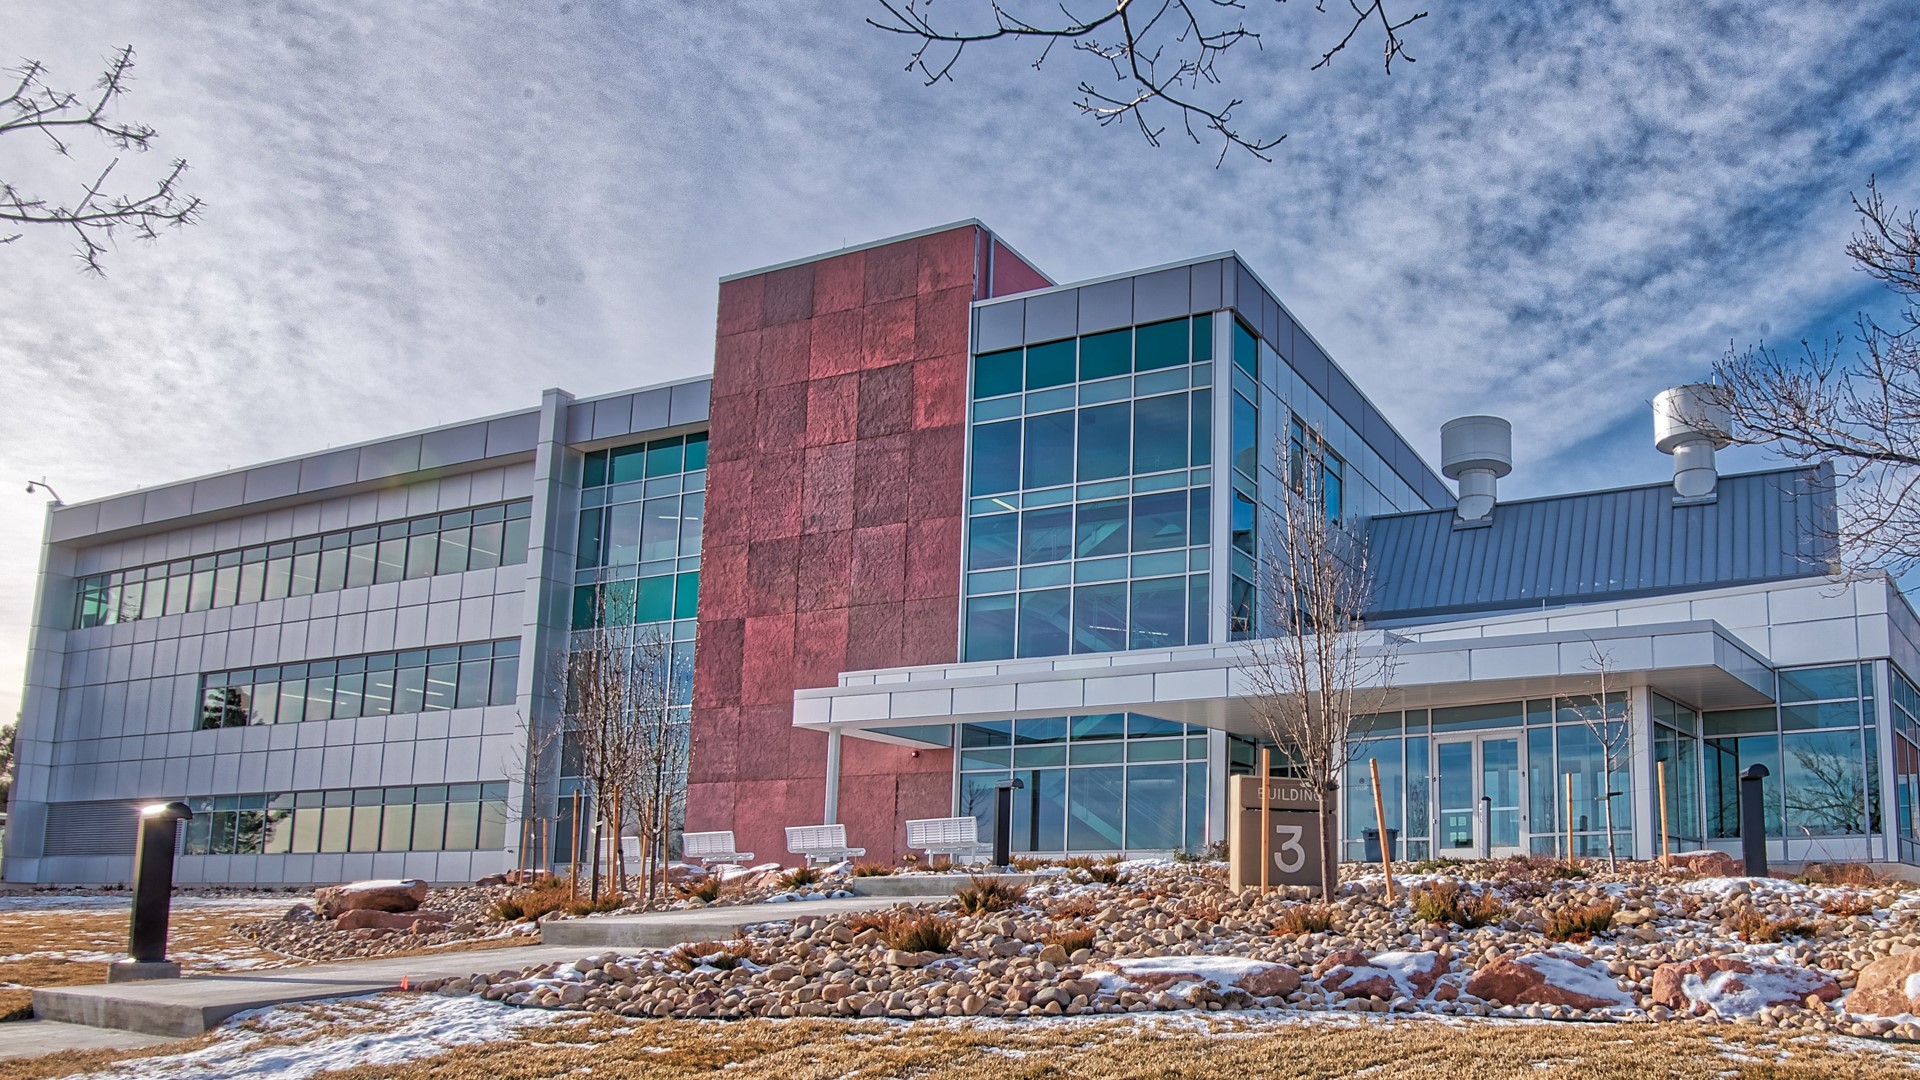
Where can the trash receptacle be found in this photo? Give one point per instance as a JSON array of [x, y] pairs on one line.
[[1370, 843]]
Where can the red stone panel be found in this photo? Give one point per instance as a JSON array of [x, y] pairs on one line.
[[888, 334], [786, 353], [789, 295], [833, 409], [881, 474], [826, 571], [832, 539], [1011, 274], [826, 496], [886, 401], [880, 564], [839, 283]]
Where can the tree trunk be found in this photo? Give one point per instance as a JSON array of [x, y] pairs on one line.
[[1329, 842], [1612, 862]]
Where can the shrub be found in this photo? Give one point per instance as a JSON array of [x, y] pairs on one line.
[[1846, 907], [862, 921], [1449, 901], [724, 955], [1027, 864], [609, 901], [1754, 925], [1840, 873], [799, 878], [872, 869], [706, 889], [1303, 919], [1072, 939], [1096, 871], [531, 903], [918, 933], [1581, 923], [983, 894]]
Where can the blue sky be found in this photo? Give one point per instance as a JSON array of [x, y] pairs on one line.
[[423, 212]]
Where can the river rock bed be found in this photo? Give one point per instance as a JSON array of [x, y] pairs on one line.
[[451, 917], [1171, 936]]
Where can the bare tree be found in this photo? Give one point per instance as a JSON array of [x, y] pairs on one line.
[[1859, 409], [538, 763], [1610, 722], [96, 214], [1311, 666], [631, 751], [1162, 55]]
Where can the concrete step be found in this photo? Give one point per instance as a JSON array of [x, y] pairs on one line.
[[906, 886], [661, 929], [31, 1038]]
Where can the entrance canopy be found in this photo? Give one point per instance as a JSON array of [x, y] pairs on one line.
[[1699, 663]]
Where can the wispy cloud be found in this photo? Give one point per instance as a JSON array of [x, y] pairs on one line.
[[426, 212]]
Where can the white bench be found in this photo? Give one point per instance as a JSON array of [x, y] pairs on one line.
[[712, 847], [630, 851], [957, 838], [820, 843]]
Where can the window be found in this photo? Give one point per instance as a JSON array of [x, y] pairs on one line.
[[458, 677], [1104, 431], [462, 816], [419, 547]]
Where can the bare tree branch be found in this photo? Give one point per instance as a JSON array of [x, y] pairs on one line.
[[97, 216], [1860, 412], [1311, 665], [1161, 54], [1611, 725]]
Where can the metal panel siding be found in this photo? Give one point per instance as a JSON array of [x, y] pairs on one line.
[[1593, 545]]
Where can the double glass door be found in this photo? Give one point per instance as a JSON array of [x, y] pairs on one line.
[[1478, 796]]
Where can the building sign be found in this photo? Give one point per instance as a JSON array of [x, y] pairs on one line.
[[1293, 814]]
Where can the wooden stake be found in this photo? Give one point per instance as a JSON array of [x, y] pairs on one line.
[[1380, 826], [573, 852], [1569, 817], [1660, 773], [546, 847], [1266, 817]]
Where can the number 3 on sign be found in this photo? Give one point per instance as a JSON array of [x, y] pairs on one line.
[[1291, 855]]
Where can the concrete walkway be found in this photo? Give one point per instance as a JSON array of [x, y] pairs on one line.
[[181, 1008], [31, 1038]]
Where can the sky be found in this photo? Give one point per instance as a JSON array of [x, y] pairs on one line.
[[425, 212]]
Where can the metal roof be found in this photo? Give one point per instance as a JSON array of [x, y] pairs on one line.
[[1602, 545]]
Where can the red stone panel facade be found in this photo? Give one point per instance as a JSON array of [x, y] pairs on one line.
[[832, 538]]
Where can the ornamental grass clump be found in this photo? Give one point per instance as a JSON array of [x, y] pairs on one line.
[[1755, 926], [983, 894], [1582, 922], [719, 955], [872, 869], [1070, 938], [1303, 919], [799, 878], [918, 933], [1449, 901], [706, 889]]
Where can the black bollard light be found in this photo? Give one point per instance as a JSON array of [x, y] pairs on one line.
[[1753, 820], [152, 896], [1003, 820]]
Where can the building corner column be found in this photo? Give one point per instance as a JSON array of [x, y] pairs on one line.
[[547, 605], [1642, 795], [831, 812]]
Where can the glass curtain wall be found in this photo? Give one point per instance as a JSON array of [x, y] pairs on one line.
[[1906, 767], [1106, 782], [1676, 748], [1090, 464], [1821, 750], [412, 681]]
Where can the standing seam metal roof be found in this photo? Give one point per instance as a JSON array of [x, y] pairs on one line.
[[1598, 545]]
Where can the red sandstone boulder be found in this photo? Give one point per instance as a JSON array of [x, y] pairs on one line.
[[1889, 986], [417, 922], [1730, 986], [1276, 981], [1548, 979], [369, 895], [1708, 863], [1382, 976]]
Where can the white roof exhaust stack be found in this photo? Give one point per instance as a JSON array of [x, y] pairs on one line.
[[1476, 451], [1691, 422]]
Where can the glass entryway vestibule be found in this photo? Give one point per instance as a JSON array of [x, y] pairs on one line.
[[1479, 796]]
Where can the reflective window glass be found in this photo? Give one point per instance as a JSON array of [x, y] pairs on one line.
[[1100, 529], [1044, 623], [1104, 438], [1100, 617], [1050, 364], [1046, 535], [1049, 450], [1160, 521], [990, 627], [1160, 433], [996, 457], [1159, 613]]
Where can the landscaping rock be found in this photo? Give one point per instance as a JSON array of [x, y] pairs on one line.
[[1382, 976], [410, 921], [1890, 986], [1548, 978], [1730, 986], [369, 895], [1707, 863]]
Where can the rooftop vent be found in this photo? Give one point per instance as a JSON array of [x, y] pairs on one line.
[[1691, 422], [1476, 451]]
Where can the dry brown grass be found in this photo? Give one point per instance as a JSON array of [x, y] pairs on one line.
[[1109, 1049], [1846, 907], [1753, 925], [1581, 923]]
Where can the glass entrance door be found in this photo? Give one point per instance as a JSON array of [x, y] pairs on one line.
[[1478, 796]]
